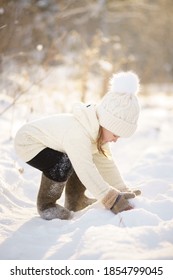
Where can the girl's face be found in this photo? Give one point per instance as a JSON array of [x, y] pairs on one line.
[[108, 136]]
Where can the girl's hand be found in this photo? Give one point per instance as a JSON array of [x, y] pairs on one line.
[[122, 203], [117, 201], [135, 191]]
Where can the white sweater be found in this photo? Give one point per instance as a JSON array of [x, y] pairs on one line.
[[74, 134]]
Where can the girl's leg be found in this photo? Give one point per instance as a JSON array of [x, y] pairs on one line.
[[49, 192], [54, 164], [75, 199], [56, 168]]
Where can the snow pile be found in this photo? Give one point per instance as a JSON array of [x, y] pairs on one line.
[[145, 161]]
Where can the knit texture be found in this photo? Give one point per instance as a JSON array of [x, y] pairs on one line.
[[110, 198], [119, 109], [118, 201]]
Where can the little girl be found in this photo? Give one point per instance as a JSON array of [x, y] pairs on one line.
[[72, 151]]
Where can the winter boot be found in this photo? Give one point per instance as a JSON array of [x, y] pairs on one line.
[[49, 192], [75, 199]]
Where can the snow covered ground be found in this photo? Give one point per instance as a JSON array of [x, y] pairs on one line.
[[146, 232]]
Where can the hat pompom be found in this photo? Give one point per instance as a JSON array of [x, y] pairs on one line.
[[124, 82]]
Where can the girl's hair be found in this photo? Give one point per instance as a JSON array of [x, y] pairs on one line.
[[99, 142]]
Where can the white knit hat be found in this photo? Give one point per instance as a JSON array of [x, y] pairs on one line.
[[118, 111]]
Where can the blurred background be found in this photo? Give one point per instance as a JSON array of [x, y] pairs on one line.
[[56, 52]]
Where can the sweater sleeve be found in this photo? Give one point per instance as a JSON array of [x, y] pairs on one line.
[[79, 150], [109, 170]]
